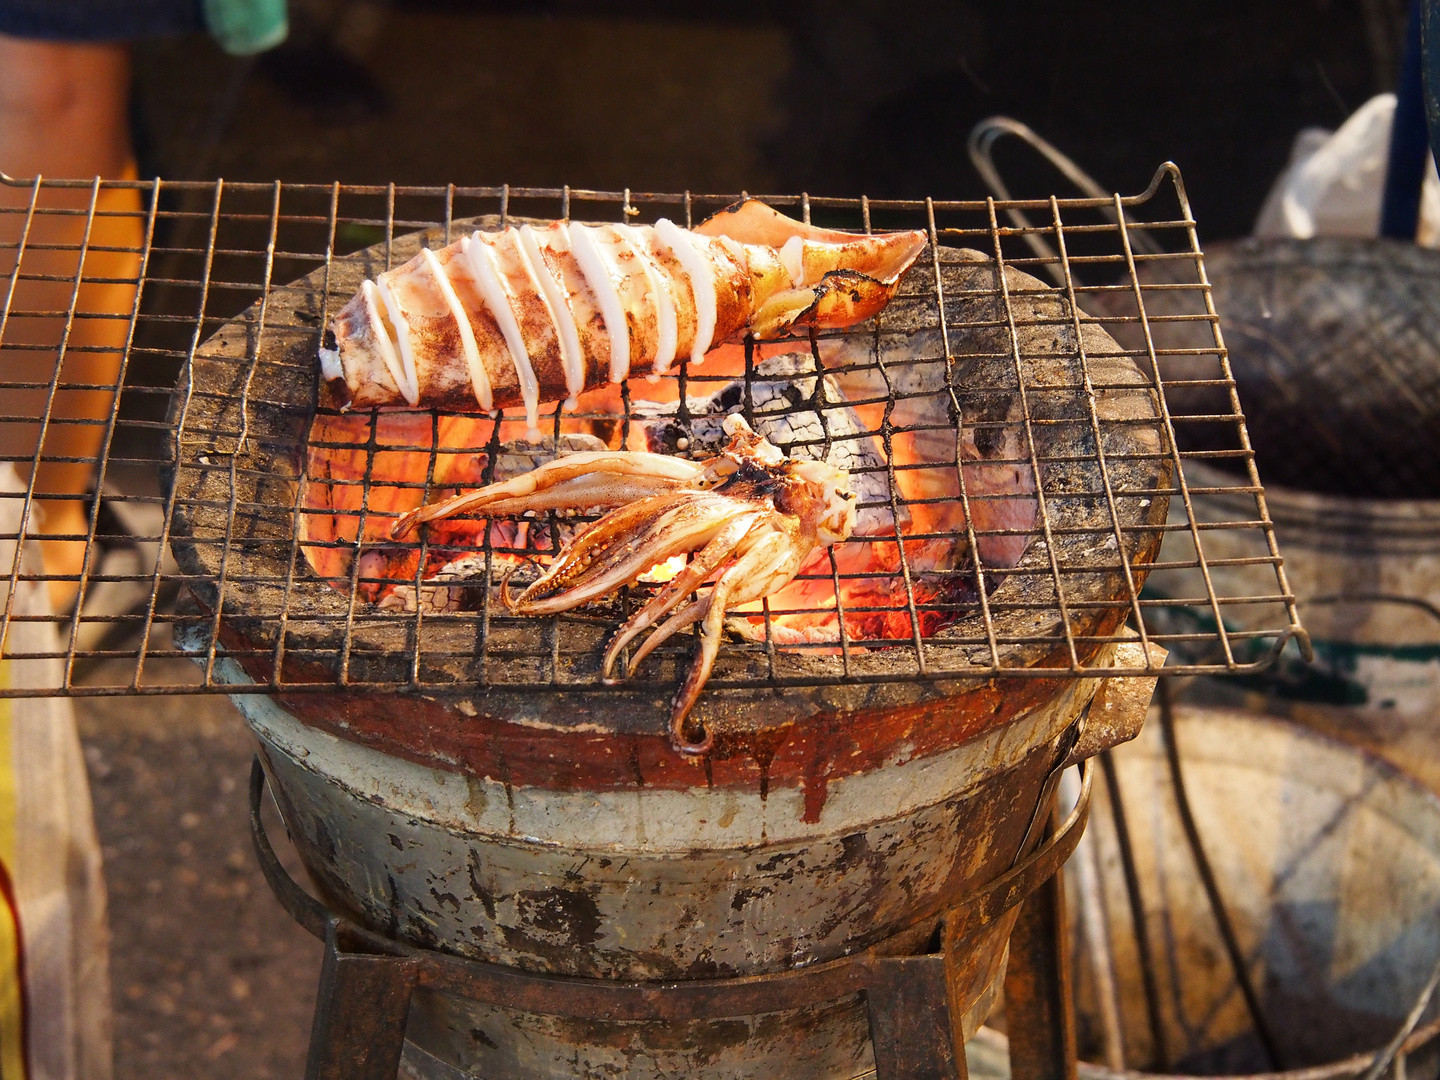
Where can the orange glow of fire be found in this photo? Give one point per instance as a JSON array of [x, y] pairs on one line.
[[342, 455], [662, 572]]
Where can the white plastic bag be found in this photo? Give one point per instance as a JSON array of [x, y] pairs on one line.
[[1334, 182], [54, 940]]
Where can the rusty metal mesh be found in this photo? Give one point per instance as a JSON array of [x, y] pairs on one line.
[[121, 401]]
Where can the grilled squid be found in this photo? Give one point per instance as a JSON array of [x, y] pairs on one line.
[[747, 517], [532, 315]]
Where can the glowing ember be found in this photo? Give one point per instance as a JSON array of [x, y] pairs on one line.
[[392, 462], [664, 571]]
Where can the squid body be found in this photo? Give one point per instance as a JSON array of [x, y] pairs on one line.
[[533, 314]]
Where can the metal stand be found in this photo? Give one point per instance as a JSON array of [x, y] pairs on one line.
[[915, 1002]]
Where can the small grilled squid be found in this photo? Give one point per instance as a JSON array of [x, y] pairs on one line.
[[530, 315], [749, 517]]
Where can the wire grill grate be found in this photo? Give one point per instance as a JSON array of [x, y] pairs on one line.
[[172, 371]]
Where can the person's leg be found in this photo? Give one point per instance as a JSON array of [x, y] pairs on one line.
[[64, 114]]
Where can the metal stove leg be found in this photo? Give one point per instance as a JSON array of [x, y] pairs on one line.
[[1038, 1012], [360, 1016], [910, 1021]]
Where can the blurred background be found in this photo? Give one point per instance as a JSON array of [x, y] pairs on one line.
[[865, 96]]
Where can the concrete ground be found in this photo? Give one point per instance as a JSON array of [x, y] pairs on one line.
[[211, 978]]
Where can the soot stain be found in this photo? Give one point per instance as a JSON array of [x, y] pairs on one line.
[[477, 888], [422, 933], [744, 896], [446, 898], [853, 850], [705, 967], [324, 842], [509, 791], [775, 861], [570, 913], [392, 921]]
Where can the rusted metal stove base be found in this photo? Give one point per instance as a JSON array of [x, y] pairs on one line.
[[915, 1000]]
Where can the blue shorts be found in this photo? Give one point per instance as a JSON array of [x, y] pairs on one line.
[[99, 20]]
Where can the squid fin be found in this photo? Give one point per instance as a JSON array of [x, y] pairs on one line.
[[842, 298], [884, 256]]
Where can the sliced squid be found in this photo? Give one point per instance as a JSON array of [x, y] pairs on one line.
[[549, 312]]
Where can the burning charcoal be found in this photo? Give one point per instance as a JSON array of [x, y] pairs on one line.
[[781, 402], [458, 586], [516, 458]]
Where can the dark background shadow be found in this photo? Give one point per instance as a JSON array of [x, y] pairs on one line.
[[865, 97]]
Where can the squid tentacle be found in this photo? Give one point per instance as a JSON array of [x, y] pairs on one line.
[[594, 550], [612, 556], [698, 609], [692, 611], [730, 536], [588, 478], [750, 570]]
